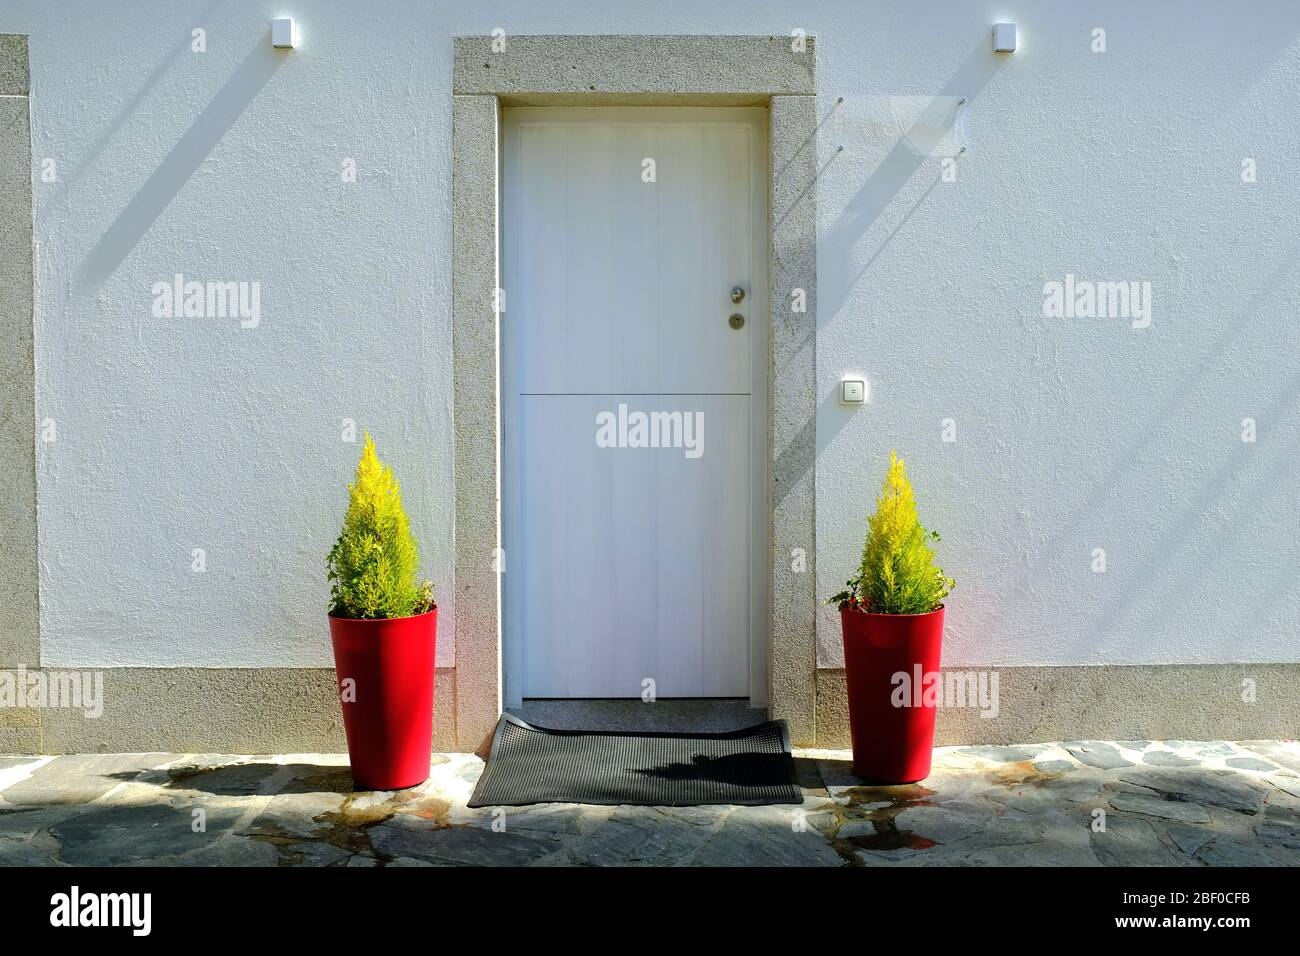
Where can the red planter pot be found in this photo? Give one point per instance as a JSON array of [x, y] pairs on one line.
[[388, 707], [892, 728]]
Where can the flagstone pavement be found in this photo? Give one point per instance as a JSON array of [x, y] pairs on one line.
[[1087, 803]]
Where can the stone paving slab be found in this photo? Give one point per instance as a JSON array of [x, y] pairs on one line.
[[1077, 803]]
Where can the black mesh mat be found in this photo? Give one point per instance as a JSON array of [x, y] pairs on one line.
[[534, 765]]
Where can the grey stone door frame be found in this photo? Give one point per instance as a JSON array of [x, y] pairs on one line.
[[492, 72]]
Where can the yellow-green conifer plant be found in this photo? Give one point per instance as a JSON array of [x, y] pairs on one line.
[[898, 574], [374, 565]]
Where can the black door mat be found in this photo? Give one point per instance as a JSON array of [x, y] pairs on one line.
[[530, 764]]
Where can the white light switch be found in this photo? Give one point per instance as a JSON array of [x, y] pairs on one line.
[[1004, 38], [853, 391], [284, 33]]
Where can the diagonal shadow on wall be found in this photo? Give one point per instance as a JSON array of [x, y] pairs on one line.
[[67, 184], [835, 247], [1276, 483], [175, 170], [1130, 457], [911, 151], [1224, 478]]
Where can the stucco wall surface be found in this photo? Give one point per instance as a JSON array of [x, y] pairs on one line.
[[176, 434], [1072, 434]]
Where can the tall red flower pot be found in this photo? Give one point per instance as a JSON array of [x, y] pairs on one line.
[[886, 660], [385, 675]]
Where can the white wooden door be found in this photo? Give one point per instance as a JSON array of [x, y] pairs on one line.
[[633, 406]]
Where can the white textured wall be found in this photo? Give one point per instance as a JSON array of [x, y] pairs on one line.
[[1084, 433], [1072, 434], [177, 434]]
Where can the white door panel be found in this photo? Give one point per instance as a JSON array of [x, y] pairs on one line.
[[620, 286], [631, 563], [635, 561]]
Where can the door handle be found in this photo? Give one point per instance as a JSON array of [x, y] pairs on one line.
[[737, 321]]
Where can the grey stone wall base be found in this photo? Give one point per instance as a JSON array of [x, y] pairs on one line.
[[197, 710], [753, 66], [13, 65], [208, 710], [19, 640], [20, 731], [1109, 702]]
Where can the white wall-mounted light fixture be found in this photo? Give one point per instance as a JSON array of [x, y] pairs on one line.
[[853, 391], [1004, 38], [284, 33]]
